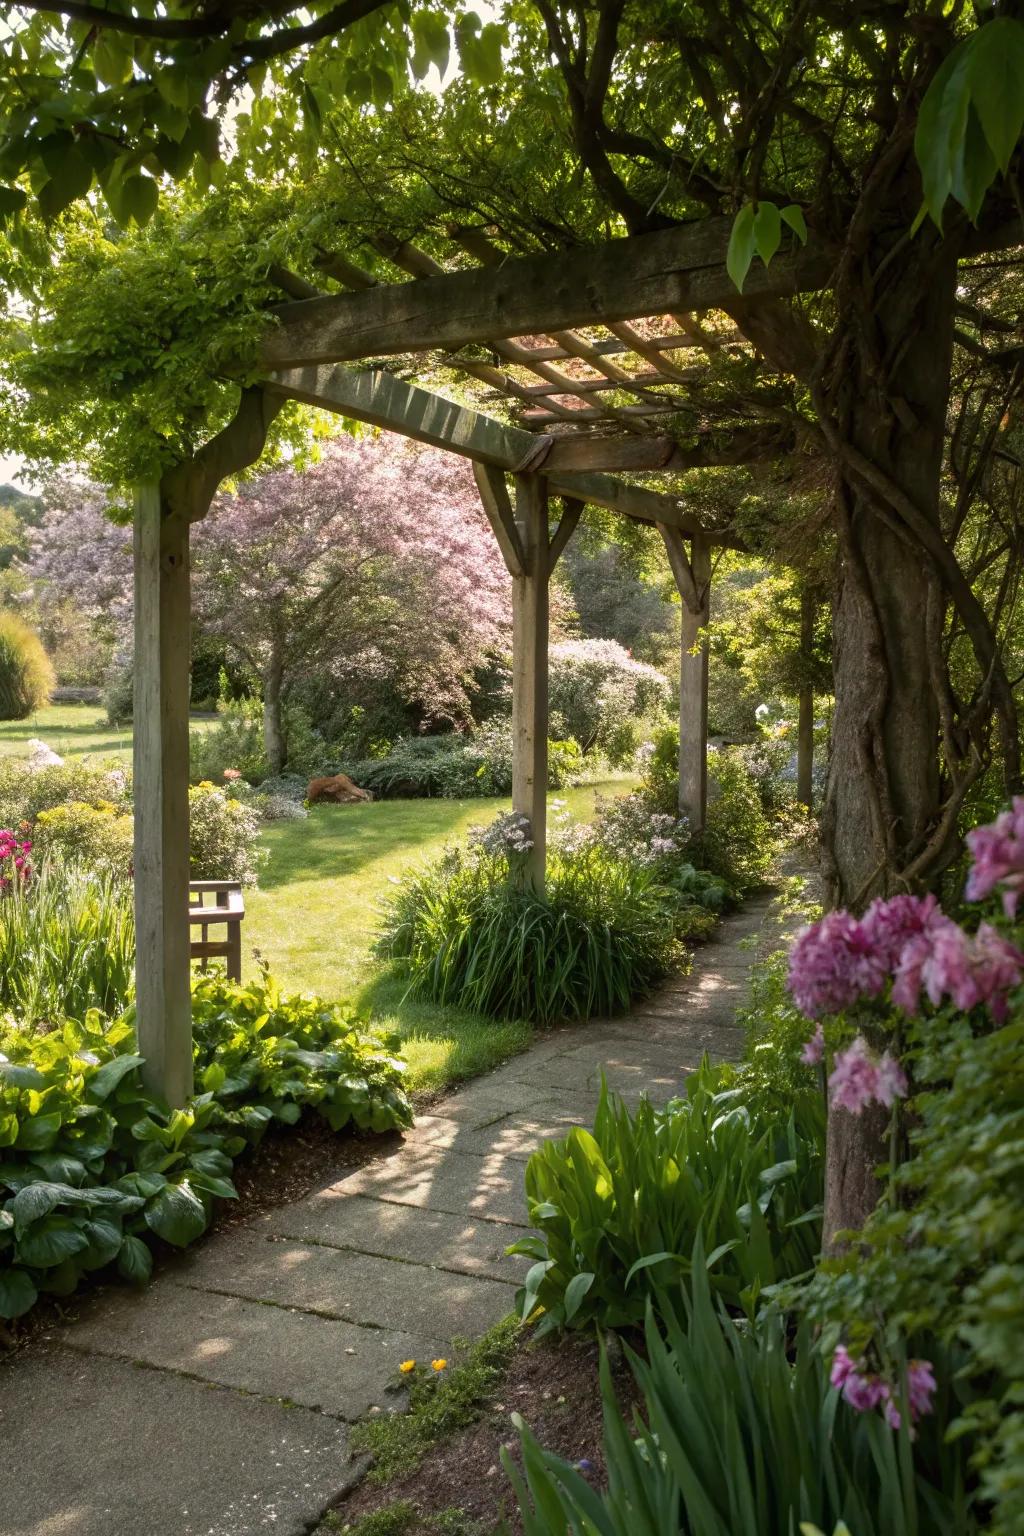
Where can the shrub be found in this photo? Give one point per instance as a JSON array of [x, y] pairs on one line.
[[223, 836], [618, 1211], [740, 1431], [25, 790], [595, 688], [456, 767], [100, 836], [236, 741], [472, 937], [26, 676], [660, 782], [119, 692], [737, 840], [67, 944], [92, 1169]]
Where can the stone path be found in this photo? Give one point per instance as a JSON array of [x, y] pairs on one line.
[[217, 1402]]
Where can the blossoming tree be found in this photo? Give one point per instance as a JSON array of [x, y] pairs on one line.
[[376, 563]]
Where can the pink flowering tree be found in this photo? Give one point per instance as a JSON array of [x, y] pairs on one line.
[[877, 988], [376, 562]]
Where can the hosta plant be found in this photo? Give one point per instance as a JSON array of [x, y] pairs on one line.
[[92, 1169]]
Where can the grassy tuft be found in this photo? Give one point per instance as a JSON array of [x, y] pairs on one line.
[[438, 1406]]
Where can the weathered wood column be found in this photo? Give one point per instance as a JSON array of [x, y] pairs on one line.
[[162, 659], [693, 578], [530, 670], [805, 704], [530, 556]]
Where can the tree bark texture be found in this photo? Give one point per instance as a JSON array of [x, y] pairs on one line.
[[273, 719], [805, 706]]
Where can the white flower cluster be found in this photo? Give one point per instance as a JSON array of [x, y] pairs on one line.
[[41, 756], [510, 833]]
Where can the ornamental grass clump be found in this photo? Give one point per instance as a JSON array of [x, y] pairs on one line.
[[472, 933], [26, 676]]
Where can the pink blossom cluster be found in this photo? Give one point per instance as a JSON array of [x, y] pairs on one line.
[[998, 853], [861, 1077], [14, 863], [865, 1392], [843, 960]]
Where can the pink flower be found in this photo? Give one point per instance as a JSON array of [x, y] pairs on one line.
[[814, 1048], [833, 964], [890, 925], [947, 962], [842, 1366], [998, 966], [998, 853], [890, 1081], [231, 774], [860, 1078]]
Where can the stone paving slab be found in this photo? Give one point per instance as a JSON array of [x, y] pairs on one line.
[[97, 1447], [450, 1242], [514, 1136], [363, 1288], [273, 1351], [442, 1179]]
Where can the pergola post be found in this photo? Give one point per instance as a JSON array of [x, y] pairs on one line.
[[530, 670], [693, 578], [805, 704], [530, 555], [162, 659]]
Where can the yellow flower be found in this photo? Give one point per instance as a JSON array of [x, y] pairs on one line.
[[407, 1366], [438, 1365]]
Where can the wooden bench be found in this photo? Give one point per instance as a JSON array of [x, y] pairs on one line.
[[227, 910]]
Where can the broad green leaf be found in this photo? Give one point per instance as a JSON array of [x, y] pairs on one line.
[[793, 215], [177, 1215], [112, 57], [51, 1240], [39, 1133], [767, 231], [974, 169], [17, 1293], [575, 1291], [134, 1261], [107, 1077], [12, 200], [941, 123], [741, 246], [71, 178], [995, 70]]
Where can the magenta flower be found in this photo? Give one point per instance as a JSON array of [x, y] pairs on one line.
[[890, 925], [998, 853], [947, 962], [814, 1049], [833, 964], [842, 1366], [860, 1078], [921, 1387]]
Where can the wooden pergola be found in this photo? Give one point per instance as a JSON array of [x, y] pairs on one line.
[[596, 360]]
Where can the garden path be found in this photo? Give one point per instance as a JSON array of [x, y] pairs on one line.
[[217, 1403]]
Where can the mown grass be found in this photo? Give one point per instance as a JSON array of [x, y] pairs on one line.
[[73, 730], [314, 917]]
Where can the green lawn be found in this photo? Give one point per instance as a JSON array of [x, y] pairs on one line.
[[314, 914], [72, 730]]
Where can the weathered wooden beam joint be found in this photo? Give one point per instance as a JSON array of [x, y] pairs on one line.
[[160, 751], [572, 511]]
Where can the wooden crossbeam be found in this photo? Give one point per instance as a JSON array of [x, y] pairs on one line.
[[669, 271], [385, 401]]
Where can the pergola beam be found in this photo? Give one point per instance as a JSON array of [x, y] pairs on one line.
[[385, 401], [668, 271]]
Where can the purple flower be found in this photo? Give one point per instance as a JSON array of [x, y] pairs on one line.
[[890, 925], [814, 1048], [833, 964], [842, 1366], [859, 1078], [947, 962]]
